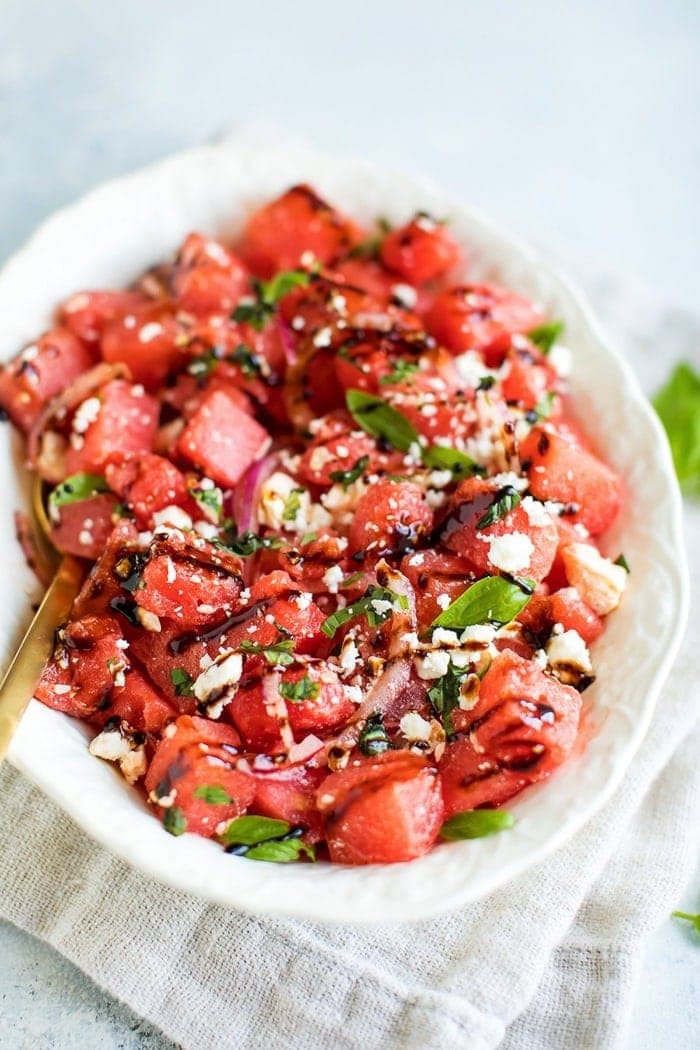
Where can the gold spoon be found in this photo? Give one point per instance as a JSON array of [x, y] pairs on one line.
[[20, 679]]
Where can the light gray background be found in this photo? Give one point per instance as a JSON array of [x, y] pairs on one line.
[[576, 125]]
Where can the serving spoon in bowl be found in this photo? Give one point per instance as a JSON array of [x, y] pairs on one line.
[[19, 682]]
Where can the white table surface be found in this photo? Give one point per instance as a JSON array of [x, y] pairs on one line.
[[576, 125]]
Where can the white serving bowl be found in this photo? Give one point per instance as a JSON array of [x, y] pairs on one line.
[[106, 240]]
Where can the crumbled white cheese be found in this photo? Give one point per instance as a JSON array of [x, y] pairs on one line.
[[443, 600], [511, 552], [353, 693], [219, 677], [333, 577], [443, 637], [434, 664], [349, 655], [415, 727], [86, 414], [406, 295], [561, 359], [149, 332], [537, 512], [117, 744], [597, 579], [478, 634], [569, 650], [380, 606], [172, 516], [471, 369]]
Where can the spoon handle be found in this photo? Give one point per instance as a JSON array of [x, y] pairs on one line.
[[17, 686]]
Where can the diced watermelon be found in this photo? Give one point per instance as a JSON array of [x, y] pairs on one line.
[[420, 251], [222, 440], [147, 484], [40, 372], [208, 278], [382, 810], [139, 704], [146, 340], [569, 609], [79, 683], [125, 421], [560, 469], [84, 527], [186, 592], [289, 793]]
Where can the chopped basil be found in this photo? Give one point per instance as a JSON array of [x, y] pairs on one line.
[[262, 838], [214, 794], [444, 696], [351, 580], [373, 739], [182, 681], [267, 294], [247, 543], [282, 851], [695, 919], [308, 537], [366, 606], [174, 821], [251, 364], [347, 477], [486, 382], [440, 457], [292, 505], [476, 824], [492, 600], [543, 408], [77, 487], [249, 830], [211, 501], [204, 364], [380, 420], [299, 691], [277, 654], [507, 499], [678, 406], [622, 561], [545, 335], [401, 372]]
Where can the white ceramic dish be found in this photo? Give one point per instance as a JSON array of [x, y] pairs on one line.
[[108, 238]]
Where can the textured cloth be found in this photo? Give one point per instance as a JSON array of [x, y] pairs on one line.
[[548, 961]]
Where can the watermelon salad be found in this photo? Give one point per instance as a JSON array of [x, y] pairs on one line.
[[342, 533]]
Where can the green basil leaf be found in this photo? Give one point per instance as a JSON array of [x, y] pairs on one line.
[[299, 691], [379, 419], [292, 505], [182, 682], [678, 406], [373, 739], [543, 408], [347, 477], [249, 830], [174, 821], [275, 289], [214, 794], [476, 824], [622, 561], [247, 543], [491, 600], [284, 851], [545, 335], [506, 500], [695, 919], [77, 487], [440, 457], [211, 501], [250, 363], [365, 607], [278, 654], [444, 696], [402, 371]]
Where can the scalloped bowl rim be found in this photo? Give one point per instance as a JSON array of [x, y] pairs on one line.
[[50, 748]]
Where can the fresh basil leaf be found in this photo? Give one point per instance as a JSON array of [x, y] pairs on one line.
[[402, 371], [250, 830], [373, 739], [491, 600], [486, 382], [366, 606], [506, 500], [347, 477], [292, 505], [678, 406], [308, 537], [543, 408], [299, 691], [695, 919], [281, 851], [250, 363], [545, 335], [211, 501], [77, 487], [174, 821], [622, 561], [202, 366], [247, 543], [351, 580], [214, 794], [444, 696], [380, 420], [277, 654], [182, 682], [268, 293], [440, 457], [476, 824]]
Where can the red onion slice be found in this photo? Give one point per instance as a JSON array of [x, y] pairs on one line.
[[246, 496]]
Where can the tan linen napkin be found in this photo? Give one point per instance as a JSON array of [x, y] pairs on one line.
[[552, 955]]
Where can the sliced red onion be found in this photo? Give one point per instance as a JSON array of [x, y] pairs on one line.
[[305, 749], [246, 495]]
